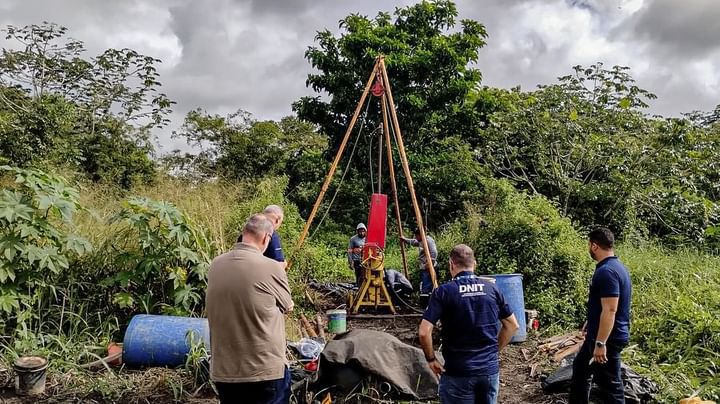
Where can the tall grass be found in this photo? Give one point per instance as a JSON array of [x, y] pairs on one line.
[[210, 204], [676, 319]]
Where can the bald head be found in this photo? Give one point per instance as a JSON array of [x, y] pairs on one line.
[[275, 214], [257, 231], [462, 258]]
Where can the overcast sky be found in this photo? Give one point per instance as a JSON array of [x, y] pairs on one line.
[[223, 55]]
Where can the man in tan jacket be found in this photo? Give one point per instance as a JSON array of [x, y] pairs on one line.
[[247, 297]]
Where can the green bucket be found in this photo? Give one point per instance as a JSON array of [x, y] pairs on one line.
[[337, 321]]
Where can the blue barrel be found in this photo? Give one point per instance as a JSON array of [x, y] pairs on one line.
[[511, 287], [152, 340]]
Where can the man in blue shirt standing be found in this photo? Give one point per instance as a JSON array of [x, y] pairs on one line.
[[476, 325], [607, 329], [275, 214]]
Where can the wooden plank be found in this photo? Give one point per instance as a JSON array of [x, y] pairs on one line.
[[557, 338], [309, 328], [320, 325], [560, 343], [566, 352]]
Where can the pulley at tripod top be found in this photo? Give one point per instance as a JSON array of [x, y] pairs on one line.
[[377, 89]]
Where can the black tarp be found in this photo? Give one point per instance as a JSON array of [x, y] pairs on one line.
[[638, 389], [368, 352]]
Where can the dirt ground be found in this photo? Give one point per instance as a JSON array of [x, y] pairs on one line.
[[516, 384]]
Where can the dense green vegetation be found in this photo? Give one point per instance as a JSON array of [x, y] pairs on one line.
[[675, 322], [518, 175]]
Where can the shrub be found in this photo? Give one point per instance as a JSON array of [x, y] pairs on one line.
[[317, 259], [160, 258], [513, 232], [36, 242]]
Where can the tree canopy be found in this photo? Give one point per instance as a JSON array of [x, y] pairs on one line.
[[428, 55], [91, 114]]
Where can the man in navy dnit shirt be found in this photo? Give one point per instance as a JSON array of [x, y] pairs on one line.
[[607, 329], [471, 310]]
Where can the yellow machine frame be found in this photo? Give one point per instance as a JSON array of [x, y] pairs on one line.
[[372, 292]]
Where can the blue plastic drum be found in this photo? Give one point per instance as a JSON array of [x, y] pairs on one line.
[[152, 340], [511, 287]]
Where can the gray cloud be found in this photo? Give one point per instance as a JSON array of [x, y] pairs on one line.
[[282, 7], [224, 55], [677, 29]]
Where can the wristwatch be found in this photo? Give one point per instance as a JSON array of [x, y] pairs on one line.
[[599, 344], [430, 360]]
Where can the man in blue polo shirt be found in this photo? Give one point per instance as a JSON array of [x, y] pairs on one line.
[[275, 215], [607, 329], [274, 250], [476, 325]]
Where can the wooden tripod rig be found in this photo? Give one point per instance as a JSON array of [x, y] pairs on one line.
[[379, 72]]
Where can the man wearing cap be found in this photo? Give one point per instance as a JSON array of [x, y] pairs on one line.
[[354, 252]]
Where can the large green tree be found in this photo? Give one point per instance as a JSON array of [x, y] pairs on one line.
[[680, 197], [238, 146], [429, 55], [580, 142]]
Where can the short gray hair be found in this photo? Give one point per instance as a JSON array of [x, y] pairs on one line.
[[258, 225], [274, 210]]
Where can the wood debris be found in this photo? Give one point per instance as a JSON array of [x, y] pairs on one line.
[[308, 327], [525, 354], [535, 370], [562, 346]]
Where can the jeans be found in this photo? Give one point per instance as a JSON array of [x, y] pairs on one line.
[[606, 376], [359, 272], [264, 392], [469, 389], [426, 285]]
